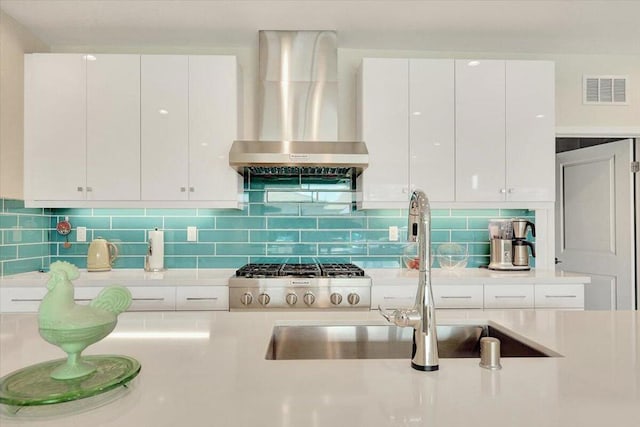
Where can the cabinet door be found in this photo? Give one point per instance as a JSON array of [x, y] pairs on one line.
[[480, 130], [213, 125], [202, 298], [559, 296], [508, 296], [393, 296], [431, 133], [384, 127], [530, 131], [458, 296], [164, 127], [55, 127], [113, 127]]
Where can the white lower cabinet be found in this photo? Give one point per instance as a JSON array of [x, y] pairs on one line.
[[559, 296], [445, 296], [144, 298], [508, 296], [202, 298], [392, 296], [458, 296]]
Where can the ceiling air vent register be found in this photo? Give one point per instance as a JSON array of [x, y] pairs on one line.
[[605, 90]]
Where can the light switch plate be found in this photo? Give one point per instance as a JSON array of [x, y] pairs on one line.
[[393, 233], [81, 234], [192, 234]]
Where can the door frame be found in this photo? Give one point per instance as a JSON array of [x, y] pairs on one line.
[[621, 133]]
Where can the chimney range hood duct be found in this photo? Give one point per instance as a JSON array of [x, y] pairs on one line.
[[298, 111]]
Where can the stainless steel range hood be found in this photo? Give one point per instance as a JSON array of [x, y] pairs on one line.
[[298, 111]]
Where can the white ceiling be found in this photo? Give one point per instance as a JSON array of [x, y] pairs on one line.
[[537, 26]]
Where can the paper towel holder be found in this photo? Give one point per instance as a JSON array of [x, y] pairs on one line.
[[147, 259]]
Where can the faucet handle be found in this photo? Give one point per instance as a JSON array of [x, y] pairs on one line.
[[387, 314], [401, 316]]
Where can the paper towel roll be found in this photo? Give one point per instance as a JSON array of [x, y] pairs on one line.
[[156, 244]]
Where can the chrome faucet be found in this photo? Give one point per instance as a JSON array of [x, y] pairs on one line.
[[422, 316]]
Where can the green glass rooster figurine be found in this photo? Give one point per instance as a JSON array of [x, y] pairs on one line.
[[73, 327]]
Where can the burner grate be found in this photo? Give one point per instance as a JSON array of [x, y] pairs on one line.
[[344, 270], [300, 270]]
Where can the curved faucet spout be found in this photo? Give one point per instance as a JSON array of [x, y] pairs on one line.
[[422, 317]]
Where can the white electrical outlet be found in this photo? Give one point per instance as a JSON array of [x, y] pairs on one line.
[[81, 234], [393, 233], [192, 234]]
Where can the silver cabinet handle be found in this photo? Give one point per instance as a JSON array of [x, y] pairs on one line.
[[89, 189], [80, 189], [561, 296], [503, 190], [510, 296], [183, 189], [511, 190], [147, 299], [192, 189], [26, 299], [202, 299], [388, 298], [456, 297]]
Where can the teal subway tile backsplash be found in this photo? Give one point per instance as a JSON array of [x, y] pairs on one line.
[[229, 238], [24, 237]]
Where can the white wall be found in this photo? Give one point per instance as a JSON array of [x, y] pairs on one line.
[[15, 41]]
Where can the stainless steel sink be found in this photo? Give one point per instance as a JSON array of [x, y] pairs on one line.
[[294, 342]]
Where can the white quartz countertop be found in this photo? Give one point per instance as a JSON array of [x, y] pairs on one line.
[[219, 277], [209, 369]]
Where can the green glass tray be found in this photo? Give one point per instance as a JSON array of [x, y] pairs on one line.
[[33, 385]]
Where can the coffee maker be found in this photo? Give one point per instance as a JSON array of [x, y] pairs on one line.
[[509, 249]]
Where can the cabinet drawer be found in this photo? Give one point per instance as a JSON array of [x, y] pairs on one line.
[[393, 296], [21, 300], [559, 296], [458, 296], [202, 298], [508, 296], [152, 298]]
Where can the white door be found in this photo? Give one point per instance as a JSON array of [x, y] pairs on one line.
[[113, 127], [213, 125], [530, 131], [480, 130], [594, 217], [164, 106], [54, 128], [432, 127], [384, 121]]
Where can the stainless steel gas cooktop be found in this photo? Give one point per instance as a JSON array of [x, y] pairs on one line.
[[308, 286]]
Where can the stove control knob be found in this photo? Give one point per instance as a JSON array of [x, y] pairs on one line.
[[246, 298], [336, 298], [353, 298], [291, 298], [264, 299], [309, 298]]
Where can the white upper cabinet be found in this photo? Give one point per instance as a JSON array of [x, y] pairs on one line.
[[505, 131], [213, 126], [113, 127], [82, 132], [432, 128], [55, 127], [189, 121], [480, 130], [530, 131], [164, 123], [128, 130], [383, 125], [407, 121]]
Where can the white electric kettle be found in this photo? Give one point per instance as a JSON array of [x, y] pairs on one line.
[[101, 255]]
